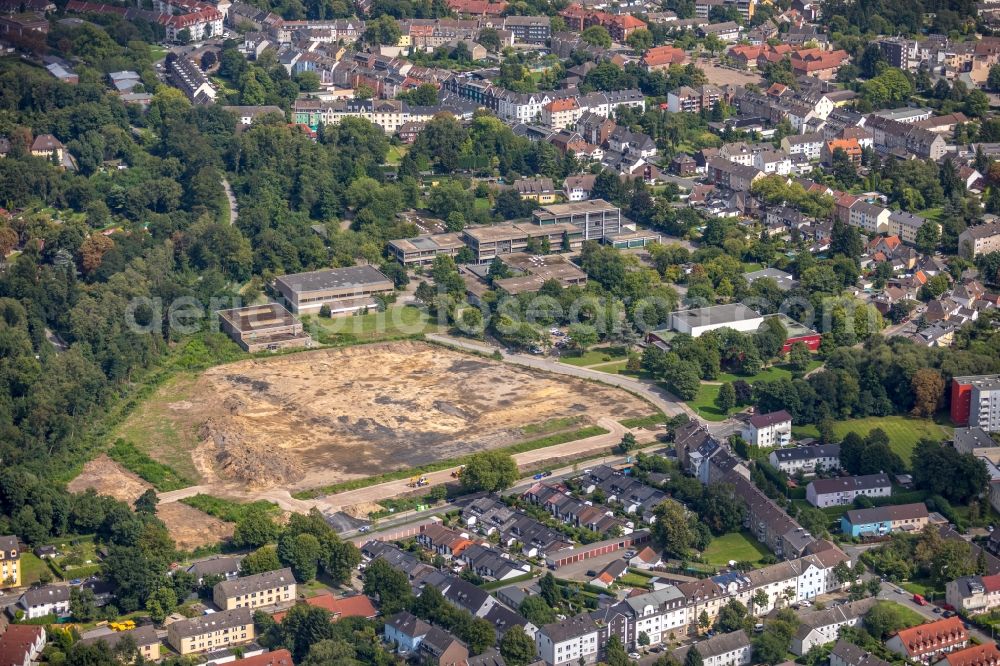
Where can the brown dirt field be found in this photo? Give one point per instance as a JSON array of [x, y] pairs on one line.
[[316, 418], [109, 478], [191, 528]]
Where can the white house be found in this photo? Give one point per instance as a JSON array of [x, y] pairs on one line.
[[47, 600], [806, 459], [767, 430], [822, 627], [842, 490], [732, 649], [569, 641]]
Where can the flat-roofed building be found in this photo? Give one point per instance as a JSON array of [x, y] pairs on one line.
[[422, 250], [701, 320], [487, 243], [632, 239], [259, 327], [342, 289], [595, 218], [975, 401], [270, 588], [214, 631], [536, 270]]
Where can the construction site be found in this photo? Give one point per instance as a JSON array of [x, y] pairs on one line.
[[318, 418]]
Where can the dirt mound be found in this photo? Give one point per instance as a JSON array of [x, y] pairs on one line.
[[109, 478], [246, 459], [191, 528]]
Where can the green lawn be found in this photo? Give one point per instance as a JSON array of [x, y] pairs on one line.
[[904, 432], [910, 616], [595, 356], [738, 546], [31, 568], [158, 52], [922, 588], [395, 155], [750, 267], [398, 321], [704, 402], [931, 213], [483, 204]]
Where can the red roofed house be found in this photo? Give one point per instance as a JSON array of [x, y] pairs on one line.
[[575, 16], [21, 644], [561, 113], [817, 62], [275, 658], [976, 655], [357, 605], [662, 57], [621, 25], [925, 642], [850, 146], [745, 55]]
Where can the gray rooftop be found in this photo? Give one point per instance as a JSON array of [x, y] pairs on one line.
[[332, 278], [256, 583], [716, 314], [849, 483], [213, 622]]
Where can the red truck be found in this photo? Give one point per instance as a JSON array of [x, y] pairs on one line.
[[919, 600]]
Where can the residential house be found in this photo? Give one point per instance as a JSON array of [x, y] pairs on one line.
[[906, 225], [842, 490], [849, 654], [731, 649], [491, 564], [806, 459], [975, 655], [10, 562], [45, 600], [925, 643], [561, 113], [226, 566], [823, 626], [979, 239], [767, 430], [809, 145], [850, 147], [662, 57], [443, 541], [216, 631], [21, 644], [569, 641], [870, 218], [695, 100], [355, 605], [271, 588], [578, 188], [145, 639], [817, 62], [883, 520], [406, 631], [536, 189], [974, 594], [736, 177]]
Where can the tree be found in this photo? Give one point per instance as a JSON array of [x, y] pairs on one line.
[[549, 589], [615, 654], [516, 647], [255, 528], [146, 502], [82, 604], [719, 509], [300, 552], [260, 561], [161, 603], [643, 639], [597, 35], [977, 104], [732, 617], [582, 335], [693, 657], [382, 30], [726, 399], [927, 238], [928, 392], [388, 585], [799, 356], [489, 471], [640, 40], [537, 611], [183, 36], [303, 627], [885, 619], [627, 444], [759, 600], [672, 529]]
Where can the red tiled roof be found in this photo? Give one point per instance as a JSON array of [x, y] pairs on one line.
[[933, 636], [977, 655], [354, 606], [16, 642], [664, 55], [991, 583]]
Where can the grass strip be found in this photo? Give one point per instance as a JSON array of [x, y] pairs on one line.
[[645, 421], [226, 509], [131, 458]]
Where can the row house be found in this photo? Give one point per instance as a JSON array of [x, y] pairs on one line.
[[903, 138], [557, 501], [842, 490], [491, 564], [444, 541], [390, 115], [823, 626], [925, 643], [808, 145], [732, 649], [633, 495], [733, 176]]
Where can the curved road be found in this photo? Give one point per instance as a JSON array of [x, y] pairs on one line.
[[234, 211]]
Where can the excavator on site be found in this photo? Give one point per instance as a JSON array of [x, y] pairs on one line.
[[418, 481]]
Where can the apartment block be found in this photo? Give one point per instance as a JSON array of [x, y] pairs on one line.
[[593, 219], [975, 401], [215, 631], [271, 588]]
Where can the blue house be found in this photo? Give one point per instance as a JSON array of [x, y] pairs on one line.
[[406, 630], [882, 520]]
